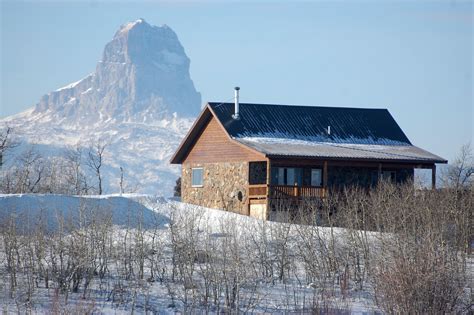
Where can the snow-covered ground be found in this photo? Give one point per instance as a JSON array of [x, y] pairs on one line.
[[193, 259], [210, 231]]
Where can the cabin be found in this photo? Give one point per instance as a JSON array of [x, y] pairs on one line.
[[241, 157]]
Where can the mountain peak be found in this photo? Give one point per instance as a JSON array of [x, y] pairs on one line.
[[143, 75], [141, 25], [127, 27]]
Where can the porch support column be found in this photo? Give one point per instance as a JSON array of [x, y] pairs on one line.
[[325, 177], [268, 172], [268, 190], [433, 176], [379, 173]]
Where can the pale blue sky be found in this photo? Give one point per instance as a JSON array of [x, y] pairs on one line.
[[414, 58]]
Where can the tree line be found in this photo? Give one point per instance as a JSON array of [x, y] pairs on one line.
[[77, 170]]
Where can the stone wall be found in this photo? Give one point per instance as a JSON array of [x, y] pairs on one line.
[[224, 186]]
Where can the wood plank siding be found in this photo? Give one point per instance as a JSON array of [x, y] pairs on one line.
[[214, 145]]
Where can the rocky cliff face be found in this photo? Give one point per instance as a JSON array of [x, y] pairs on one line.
[[143, 76], [140, 101]]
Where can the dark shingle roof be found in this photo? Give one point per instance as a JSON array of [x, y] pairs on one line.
[[348, 125]]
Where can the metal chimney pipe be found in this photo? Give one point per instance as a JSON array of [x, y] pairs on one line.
[[236, 101]]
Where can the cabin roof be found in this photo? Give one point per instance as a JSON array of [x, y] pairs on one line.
[[302, 131], [281, 148], [347, 125]]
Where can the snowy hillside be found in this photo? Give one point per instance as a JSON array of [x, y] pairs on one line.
[[145, 254], [164, 221], [53, 210], [140, 101]]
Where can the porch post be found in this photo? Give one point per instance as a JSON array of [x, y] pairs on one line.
[[379, 173], [433, 176], [325, 178], [268, 173], [268, 190]]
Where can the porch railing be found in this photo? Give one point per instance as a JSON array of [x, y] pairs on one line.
[[283, 191]]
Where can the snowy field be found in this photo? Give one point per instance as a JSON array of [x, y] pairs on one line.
[[117, 254]]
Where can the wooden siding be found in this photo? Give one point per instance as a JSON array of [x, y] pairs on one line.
[[214, 145]]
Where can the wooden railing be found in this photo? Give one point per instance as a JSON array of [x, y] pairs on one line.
[[283, 191], [279, 191]]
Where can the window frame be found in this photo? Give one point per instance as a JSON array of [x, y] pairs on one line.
[[320, 176], [287, 176], [392, 176], [192, 177]]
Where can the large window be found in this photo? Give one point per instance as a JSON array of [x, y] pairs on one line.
[[196, 177], [316, 178], [289, 176], [296, 176], [390, 176]]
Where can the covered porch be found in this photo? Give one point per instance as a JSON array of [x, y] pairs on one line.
[[302, 179]]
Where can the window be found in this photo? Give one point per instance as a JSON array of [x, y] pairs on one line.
[[389, 176], [257, 173], [316, 178], [281, 175], [289, 176], [196, 177]]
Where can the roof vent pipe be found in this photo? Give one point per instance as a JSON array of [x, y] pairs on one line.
[[236, 100]]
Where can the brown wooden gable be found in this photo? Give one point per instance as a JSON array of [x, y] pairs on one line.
[[214, 145], [208, 141]]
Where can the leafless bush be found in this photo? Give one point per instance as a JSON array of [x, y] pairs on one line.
[[7, 142], [459, 174], [416, 258], [95, 160], [404, 248]]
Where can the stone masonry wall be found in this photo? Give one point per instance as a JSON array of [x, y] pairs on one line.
[[224, 186]]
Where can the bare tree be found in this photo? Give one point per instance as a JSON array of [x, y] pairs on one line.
[[74, 173], [30, 171], [121, 180], [177, 188], [6, 142], [95, 161], [460, 173]]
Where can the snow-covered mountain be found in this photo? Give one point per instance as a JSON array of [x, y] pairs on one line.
[[140, 100], [143, 76]]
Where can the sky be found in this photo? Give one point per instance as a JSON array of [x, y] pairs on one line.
[[414, 58]]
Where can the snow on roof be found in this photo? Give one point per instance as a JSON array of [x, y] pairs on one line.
[[347, 125], [312, 132], [293, 147], [320, 131]]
